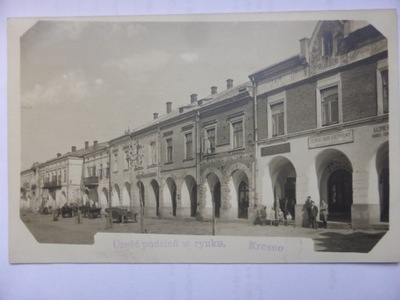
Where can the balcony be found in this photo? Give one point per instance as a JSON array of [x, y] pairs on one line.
[[52, 184], [91, 181]]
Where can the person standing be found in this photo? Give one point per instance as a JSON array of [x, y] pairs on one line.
[[313, 215], [323, 215], [307, 214]]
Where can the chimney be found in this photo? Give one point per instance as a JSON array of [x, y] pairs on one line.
[[181, 109], [229, 83], [94, 144], [193, 98], [73, 148], [304, 48], [86, 145], [155, 116], [200, 102], [213, 90], [58, 154], [169, 107]]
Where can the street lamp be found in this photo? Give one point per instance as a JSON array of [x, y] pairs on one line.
[[110, 220], [135, 160]]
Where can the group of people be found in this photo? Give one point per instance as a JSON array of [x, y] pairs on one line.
[[312, 211], [277, 215]]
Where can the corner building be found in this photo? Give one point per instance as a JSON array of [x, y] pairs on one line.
[[322, 125]]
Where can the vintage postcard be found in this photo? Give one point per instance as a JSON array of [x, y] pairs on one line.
[[245, 138]]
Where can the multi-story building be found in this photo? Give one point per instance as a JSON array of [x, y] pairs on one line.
[[30, 188], [315, 124], [322, 124], [226, 153], [95, 178], [60, 179]]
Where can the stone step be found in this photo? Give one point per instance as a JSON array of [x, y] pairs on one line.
[[337, 225], [380, 226]]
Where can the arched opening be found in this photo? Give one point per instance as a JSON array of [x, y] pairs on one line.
[[212, 194], [217, 199], [340, 192], [104, 198], [156, 190], [243, 200], [172, 194], [94, 196], [142, 199], [189, 195], [115, 198], [334, 172], [126, 195], [382, 168], [63, 198], [283, 176], [239, 197], [193, 201]]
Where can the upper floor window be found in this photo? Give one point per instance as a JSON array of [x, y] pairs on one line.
[[126, 160], [330, 106], [329, 101], [65, 175], [209, 140], [100, 172], [189, 145], [169, 150], [276, 114], [278, 119], [327, 43], [153, 153], [91, 171], [383, 87], [237, 134], [115, 162]]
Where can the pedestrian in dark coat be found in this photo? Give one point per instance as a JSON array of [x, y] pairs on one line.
[[323, 214], [313, 215]]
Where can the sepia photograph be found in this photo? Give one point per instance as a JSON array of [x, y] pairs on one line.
[[235, 138]]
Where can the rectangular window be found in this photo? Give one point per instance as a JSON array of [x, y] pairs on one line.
[[126, 160], [169, 150], [100, 172], [210, 140], [278, 119], [153, 153], [108, 170], [65, 175], [237, 128], [94, 171], [327, 41], [115, 167], [329, 105], [189, 145], [385, 91]]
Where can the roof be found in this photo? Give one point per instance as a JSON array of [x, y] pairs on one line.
[[80, 152], [362, 36], [287, 64], [209, 100]]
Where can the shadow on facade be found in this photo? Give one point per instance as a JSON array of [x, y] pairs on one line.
[[359, 242]]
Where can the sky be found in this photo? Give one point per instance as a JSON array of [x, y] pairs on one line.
[[86, 81]]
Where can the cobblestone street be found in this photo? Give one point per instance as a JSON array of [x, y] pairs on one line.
[[68, 231]]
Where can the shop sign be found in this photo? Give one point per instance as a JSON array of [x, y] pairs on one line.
[[146, 175], [337, 138], [379, 131], [276, 149]]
